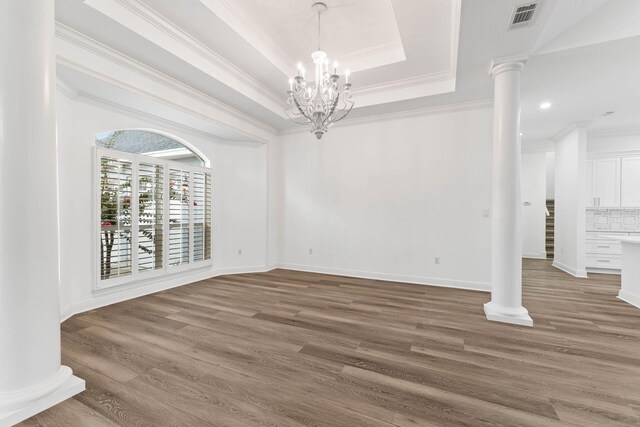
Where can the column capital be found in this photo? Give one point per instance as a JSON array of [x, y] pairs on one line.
[[511, 63]]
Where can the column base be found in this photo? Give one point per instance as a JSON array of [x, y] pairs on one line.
[[519, 316], [37, 399]]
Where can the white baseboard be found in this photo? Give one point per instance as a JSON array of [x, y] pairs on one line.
[[534, 255], [572, 271], [243, 270], [123, 294], [416, 280], [630, 298], [66, 312], [160, 285], [596, 270]]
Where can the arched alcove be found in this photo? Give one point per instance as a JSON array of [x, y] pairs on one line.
[[153, 144], [153, 199]]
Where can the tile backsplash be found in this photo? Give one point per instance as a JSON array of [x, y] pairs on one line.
[[613, 219]]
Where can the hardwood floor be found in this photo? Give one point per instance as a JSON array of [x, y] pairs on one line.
[[290, 348]]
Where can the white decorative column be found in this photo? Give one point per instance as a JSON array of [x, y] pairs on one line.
[[506, 260], [31, 376]]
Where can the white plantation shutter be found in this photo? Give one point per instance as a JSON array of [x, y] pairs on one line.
[[179, 217], [154, 217], [198, 216], [115, 217], [150, 216], [207, 216]]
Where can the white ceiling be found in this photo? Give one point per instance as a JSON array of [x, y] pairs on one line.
[[235, 56]]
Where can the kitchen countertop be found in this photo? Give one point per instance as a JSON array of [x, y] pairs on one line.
[[635, 240]]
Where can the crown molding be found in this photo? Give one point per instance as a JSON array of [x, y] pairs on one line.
[[90, 99], [403, 89], [87, 44], [251, 32], [564, 132], [398, 90], [570, 128], [66, 90], [420, 112], [196, 53], [406, 83]]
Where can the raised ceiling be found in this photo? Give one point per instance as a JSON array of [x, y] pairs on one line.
[[289, 28], [221, 66]]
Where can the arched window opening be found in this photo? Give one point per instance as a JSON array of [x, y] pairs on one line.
[[150, 144], [154, 198]]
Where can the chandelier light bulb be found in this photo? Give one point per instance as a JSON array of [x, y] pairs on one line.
[[290, 84], [335, 67], [346, 76]]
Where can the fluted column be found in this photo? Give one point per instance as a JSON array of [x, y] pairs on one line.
[[506, 261], [31, 376]]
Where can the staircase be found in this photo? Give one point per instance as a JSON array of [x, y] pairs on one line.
[[550, 228]]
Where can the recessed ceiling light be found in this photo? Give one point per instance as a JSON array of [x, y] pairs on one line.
[[545, 105]]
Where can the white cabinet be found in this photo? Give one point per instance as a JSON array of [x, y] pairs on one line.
[[604, 251], [603, 182], [630, 193]]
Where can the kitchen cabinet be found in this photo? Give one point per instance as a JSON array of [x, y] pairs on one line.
[[603, 182], [630, 193]]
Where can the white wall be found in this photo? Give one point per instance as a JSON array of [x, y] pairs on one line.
[[534, 171], [384, 198], [570, 202], [239, 204], [551, 175], [612, 143]]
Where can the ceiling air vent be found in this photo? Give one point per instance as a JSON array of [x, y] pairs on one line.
[[522, 15]]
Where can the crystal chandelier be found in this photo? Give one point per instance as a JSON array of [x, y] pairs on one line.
[[320, 103]]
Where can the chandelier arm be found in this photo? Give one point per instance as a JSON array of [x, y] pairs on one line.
[[333, 109], [346, 113], [296, 117], [300, 109]]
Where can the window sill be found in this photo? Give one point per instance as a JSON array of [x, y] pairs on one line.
[[143, 281]]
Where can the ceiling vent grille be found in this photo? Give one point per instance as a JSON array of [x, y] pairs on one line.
[[522, 15]]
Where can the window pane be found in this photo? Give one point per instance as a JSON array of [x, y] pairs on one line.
[[150, 217], [115, 218], [179, 221]]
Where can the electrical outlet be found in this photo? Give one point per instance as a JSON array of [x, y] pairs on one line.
[[310, 251], [239, 251], [437, 260]]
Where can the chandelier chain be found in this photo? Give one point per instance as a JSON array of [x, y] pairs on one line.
[[318, 30]]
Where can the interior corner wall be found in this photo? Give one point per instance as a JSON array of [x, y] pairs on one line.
[[399, 199], [273, 202], [239, 205], [570, 203], [551, 175], [534, 171]]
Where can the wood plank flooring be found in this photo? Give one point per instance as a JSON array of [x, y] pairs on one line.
[[289, 348]]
